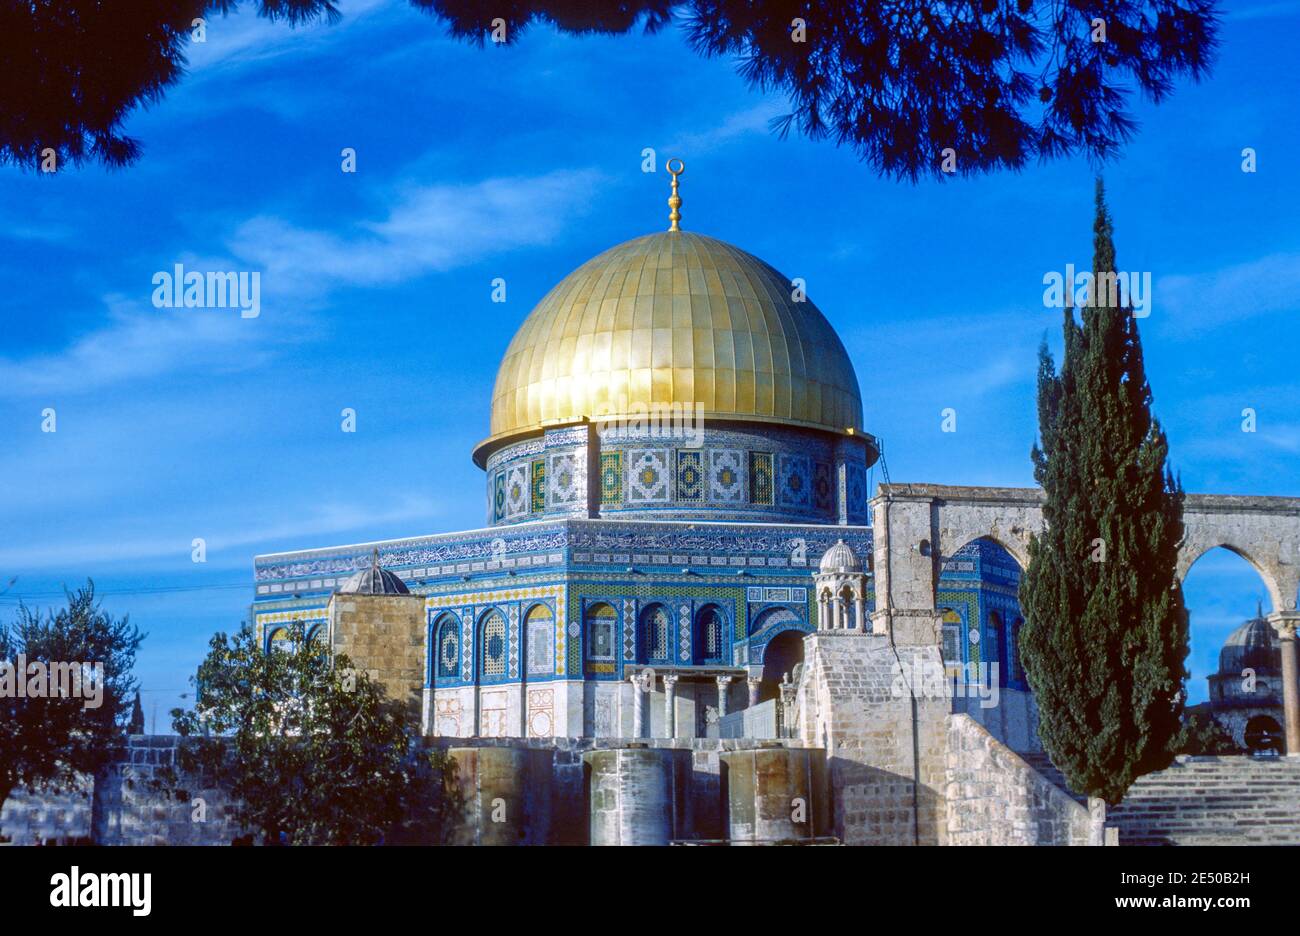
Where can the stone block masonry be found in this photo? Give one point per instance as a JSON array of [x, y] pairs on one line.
[[130, 810], [47, 818], [995, 798], [886, 749]]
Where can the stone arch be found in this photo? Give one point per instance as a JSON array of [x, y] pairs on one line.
[[1265, 531], [777, 618], [1193, 552], [1015, 548]]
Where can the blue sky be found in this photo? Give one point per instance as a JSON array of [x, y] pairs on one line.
[[521, 163]]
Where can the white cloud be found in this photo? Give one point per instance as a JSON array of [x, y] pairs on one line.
[[137, 342], [752, 120], [430, 229], [309, 522], [1189, 303], [244, 38]]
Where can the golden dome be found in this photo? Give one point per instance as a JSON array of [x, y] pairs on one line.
[[674, 317]]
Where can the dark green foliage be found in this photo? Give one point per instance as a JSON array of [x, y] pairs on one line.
[[47, 742], [310, 749], [1104, 641], [1203, 736], [999, 82]]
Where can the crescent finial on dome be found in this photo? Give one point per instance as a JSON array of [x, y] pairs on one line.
[[675, 200]]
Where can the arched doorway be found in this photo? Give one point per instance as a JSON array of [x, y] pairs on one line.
[[783, 653], [1263, 733]]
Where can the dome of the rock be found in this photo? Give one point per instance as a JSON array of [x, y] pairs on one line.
[[674, 318]]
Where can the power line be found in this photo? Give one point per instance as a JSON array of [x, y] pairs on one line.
[[157, 590]]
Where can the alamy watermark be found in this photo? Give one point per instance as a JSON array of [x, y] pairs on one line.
[[20, 679], [213, 290], [684, 421], [1104, 290], [927, 679]]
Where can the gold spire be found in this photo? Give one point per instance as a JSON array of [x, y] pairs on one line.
[[675, 200]]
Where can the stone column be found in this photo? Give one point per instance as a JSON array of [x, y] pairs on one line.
[[1285, 625], [839, 611], [639, 683], [860, 607], [670, 706], [754, 683], [723, 683], [823, 612]]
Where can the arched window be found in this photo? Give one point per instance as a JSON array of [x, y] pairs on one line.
[[709, 635], [656, 625], [447, 644], [317, 635], [492, 645], [279, 640], [601, 619], [539, 640]]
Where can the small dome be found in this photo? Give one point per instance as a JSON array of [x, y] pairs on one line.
[[1254, 645], [374, 581], [840, 558]]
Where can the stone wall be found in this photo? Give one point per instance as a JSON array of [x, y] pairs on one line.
[[129, 809], [995, 798], [28, 818], [886, 748]]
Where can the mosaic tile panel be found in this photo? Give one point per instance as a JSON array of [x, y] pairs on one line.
[[537, 503], [516, 491], [629, 630], [726, 476], [467, 641], [562, 479], [499, 497], [684, 633], [512, 643], [647, 476], [823, 490], [690, 476], [611, 478], [794, 486]]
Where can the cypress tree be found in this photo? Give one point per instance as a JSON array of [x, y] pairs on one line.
[[1105, 633]]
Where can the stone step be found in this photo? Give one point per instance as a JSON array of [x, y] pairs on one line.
[[1204, 801]]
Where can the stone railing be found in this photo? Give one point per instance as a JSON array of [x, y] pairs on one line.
[[995, 798]]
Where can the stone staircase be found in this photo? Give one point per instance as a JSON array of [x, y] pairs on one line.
[[1205, 801], [1041, 763]]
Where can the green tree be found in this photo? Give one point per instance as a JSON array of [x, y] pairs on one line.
[[311, 750], [48, 740], [1203, 736], [1105, 633], [998, 82]]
